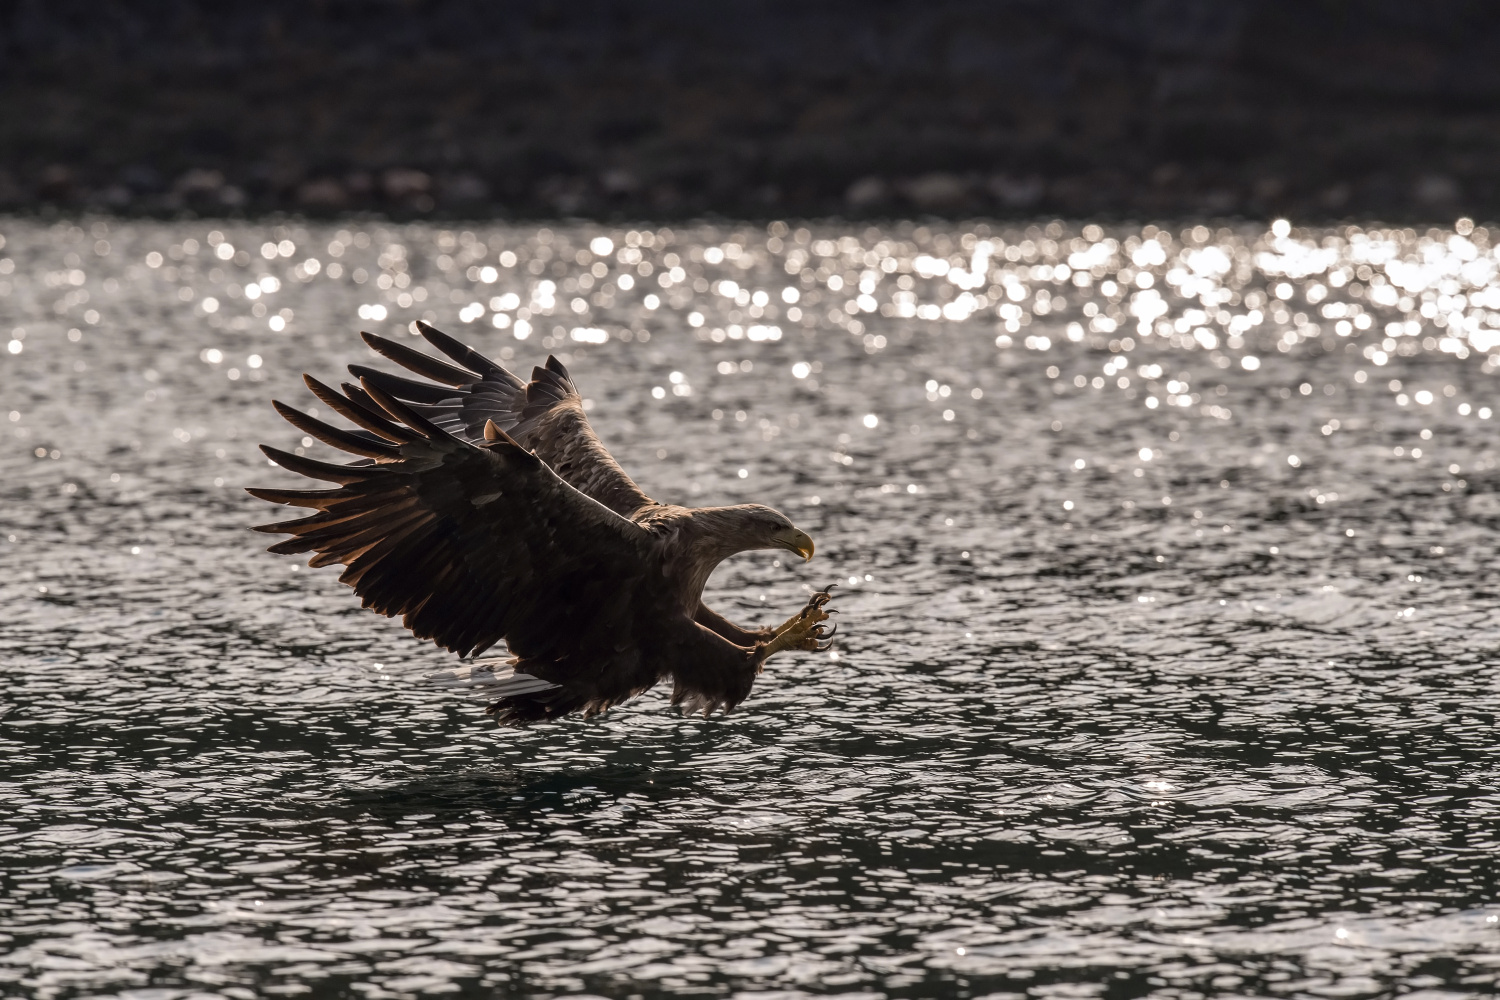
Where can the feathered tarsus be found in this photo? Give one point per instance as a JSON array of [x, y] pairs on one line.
[[485, 509]]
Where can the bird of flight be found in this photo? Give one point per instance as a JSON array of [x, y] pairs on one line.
[[483, 508]]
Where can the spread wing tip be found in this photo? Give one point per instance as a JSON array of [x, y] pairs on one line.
[[423, 364], [313, 469], [366, 445]]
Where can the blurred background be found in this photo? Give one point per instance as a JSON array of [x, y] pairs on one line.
[[601, 108]]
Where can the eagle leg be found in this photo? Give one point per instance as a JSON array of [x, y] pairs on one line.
[[804, 631], [814, 604]]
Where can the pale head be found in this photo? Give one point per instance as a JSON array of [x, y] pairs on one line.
[[754, 526]]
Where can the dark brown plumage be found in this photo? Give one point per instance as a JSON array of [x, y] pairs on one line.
[[484, 509]]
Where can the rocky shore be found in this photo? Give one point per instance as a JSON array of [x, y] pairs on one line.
[[455, 108]]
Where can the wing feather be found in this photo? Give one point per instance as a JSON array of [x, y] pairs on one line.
[[313, 469], [422, 364], [467, 356], [294, 498], [355, 408], [544, 415], [369, 446], [474, 544], [408, 416], [405, 388]]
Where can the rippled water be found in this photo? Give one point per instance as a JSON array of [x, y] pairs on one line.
[[1170, 619]]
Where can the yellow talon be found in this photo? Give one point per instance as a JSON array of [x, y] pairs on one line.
[[803, 631]]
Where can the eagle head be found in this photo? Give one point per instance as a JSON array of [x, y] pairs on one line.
[[764, 528]]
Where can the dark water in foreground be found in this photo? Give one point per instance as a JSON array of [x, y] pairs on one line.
[[1164, 672]]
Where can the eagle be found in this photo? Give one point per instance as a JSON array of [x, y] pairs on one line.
[[482, 509]]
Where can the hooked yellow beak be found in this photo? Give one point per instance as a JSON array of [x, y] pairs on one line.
[[797, 541]]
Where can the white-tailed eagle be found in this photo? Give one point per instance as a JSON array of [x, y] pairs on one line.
[[483, 508]]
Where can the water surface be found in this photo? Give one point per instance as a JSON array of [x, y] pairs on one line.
[[1167, 663]]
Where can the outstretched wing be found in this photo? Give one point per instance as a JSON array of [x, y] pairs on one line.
[[544, 415], [469, 543]]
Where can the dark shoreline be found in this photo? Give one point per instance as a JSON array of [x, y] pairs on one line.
[[987, 224], [454, 109]]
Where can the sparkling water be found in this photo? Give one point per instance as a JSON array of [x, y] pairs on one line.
[[1169, 596]]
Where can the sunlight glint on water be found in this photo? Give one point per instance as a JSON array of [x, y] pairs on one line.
[[1166, 658]]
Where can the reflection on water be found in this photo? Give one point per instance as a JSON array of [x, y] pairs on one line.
[[1170, 581]]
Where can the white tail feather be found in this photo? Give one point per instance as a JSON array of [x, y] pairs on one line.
[[490, 679]]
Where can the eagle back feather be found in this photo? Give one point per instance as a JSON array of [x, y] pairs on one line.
[[545, 415]]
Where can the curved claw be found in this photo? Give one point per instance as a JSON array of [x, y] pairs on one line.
[[818, 599], [825, 647], [827, 633]]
